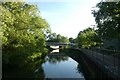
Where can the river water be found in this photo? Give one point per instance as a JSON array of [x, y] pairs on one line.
[[58, 65]]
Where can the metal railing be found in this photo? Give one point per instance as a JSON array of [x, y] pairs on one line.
[[109, 63]]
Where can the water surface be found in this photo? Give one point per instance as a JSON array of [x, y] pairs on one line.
[[58, 65]]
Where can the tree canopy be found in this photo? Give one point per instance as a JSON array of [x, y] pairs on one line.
[[22, 30], [87, 38], [107, 18], [53, 37]]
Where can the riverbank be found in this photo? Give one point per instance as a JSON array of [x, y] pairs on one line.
[[91, 71], [109, 64]]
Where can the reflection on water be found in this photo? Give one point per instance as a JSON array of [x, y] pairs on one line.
[[56, 50], [54, 47], [58, 65], [56, 58], [54, 65], [30, 70]]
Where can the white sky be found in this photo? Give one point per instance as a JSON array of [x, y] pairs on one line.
[[67, 17]]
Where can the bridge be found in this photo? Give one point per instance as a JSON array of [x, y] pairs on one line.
[[57, 44]]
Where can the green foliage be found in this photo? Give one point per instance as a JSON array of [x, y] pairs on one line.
[[71, 40], [35, 55], [87, 38], [22, 31], [53, 37], [107, 18]]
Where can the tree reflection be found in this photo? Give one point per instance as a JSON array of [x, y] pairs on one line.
[[31, 70], [56, 58]]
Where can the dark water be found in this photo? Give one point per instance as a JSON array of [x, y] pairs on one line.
[[56, 65]]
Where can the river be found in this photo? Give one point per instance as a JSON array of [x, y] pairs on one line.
[[59, 65], [69, 64]]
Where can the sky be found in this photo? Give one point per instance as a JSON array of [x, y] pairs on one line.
[[67, 17]]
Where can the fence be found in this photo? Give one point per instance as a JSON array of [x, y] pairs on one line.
[[109, 63]]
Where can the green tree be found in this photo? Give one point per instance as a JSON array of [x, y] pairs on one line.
[[59, 38], [107, 18], [22, 30], [71, 40], [87, 38], [53, 37]]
